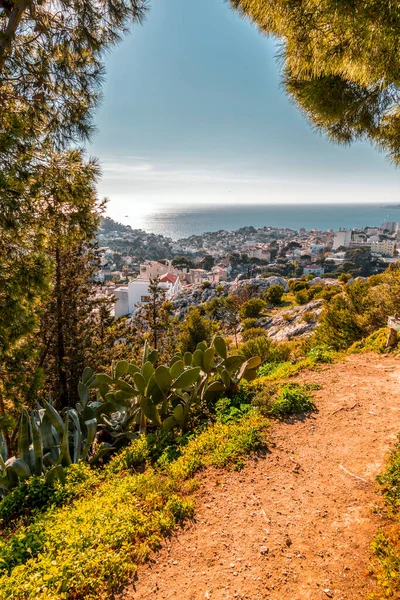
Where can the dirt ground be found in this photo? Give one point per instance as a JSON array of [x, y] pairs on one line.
[[296, 523]]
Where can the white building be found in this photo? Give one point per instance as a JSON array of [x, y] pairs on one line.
[[259, 252], [152, 269], [219, 274], [316, 248], [391, 226], [313, 270], [129, 297], [196, 276], [342, 238], [385, 247]]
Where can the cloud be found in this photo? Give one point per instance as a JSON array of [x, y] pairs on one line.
[[129, 169]]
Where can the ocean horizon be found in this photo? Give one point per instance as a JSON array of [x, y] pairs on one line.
[[181, 221]]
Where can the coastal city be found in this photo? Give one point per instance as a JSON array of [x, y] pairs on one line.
[[131, 258]]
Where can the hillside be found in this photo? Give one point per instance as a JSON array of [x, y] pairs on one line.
[[297, 522]]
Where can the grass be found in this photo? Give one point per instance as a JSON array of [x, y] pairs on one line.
[[280, 371], [386, 546], [292, 399], [89, 547]]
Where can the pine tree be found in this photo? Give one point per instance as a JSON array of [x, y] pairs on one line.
[[68, 319], [155, 319], [51, 65], [231, 313], [194, 329], [340, 63], [50, 75]]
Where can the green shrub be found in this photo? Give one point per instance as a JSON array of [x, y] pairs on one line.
[[280, 371], [268, 350], [287, 317], [360, 309], [308, 316], [389, 481], [231, 409], [297, 285], [254, 332], [328, 292], [386, 545], [263, 397], [252, 309], [304, 296], [267, 369], [194, 329], [131, 457], [274, 294], [249, 323], [292, 399], [321, 354], [376, 342], [34, 494]]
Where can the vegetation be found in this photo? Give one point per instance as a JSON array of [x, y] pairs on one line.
[[386, 545], [97, 463], [268, 350], [339, 63], [292, 399], [194, 329], [252, 309], [361, 309], [131, 397], [274, 294], [120, 520], [376, 342]]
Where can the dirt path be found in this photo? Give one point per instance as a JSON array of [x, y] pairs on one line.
[[294, 525]]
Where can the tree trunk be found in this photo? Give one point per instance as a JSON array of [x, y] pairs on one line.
[[9, 32], [60, 352], [5, 432]]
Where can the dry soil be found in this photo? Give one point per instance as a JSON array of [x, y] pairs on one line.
[[298, 522]]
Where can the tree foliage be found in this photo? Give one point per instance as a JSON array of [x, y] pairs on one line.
[[340, 63], [194, 330], [362, 308]]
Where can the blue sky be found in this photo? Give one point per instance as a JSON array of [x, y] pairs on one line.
[[193, 111]]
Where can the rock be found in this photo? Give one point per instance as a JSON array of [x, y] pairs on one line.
[[289, 323], [264, 550]]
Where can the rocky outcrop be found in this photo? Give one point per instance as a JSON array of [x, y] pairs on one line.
[[298, 321], [196, 295], [320, 281]]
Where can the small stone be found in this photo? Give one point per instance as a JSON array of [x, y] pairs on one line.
[[264, 550], [328, 593]]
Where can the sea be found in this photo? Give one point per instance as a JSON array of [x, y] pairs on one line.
[[181, 221]]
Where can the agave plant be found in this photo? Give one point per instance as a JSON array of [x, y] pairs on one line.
[[48, 442]]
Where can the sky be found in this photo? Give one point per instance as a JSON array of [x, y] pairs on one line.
[[193, 111]]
